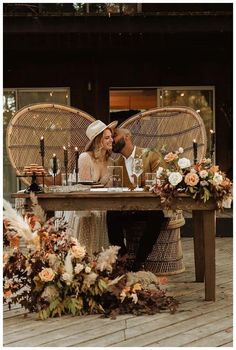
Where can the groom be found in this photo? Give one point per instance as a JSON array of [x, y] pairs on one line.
[[122, 143]]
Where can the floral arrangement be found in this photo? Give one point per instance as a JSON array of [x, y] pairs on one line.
[[201, 181], [53, 275]]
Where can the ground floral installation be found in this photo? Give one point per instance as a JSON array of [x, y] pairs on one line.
[[202, 181], [53, 275]]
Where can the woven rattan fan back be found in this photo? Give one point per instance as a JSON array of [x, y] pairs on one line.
[[173, 127], [60, 125]]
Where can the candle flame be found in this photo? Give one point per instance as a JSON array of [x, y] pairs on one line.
[[42, 137], [76, 148], [194, 140], [54, 155], [212, 131], [64, 147]]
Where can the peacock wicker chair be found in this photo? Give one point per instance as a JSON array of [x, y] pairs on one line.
[[171, 127], [60, 125]]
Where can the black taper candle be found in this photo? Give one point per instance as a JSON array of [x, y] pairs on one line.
[[54, 167], [76, 164], [195, 151], [42, 148], [212, 150], [42, 153], [66, 163]]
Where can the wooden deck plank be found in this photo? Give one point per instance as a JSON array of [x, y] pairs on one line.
[[128, 330], [143, 336], [215, 339], [187, 336]]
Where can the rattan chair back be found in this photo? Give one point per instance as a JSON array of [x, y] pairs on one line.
[[171, 127], [60, 125]]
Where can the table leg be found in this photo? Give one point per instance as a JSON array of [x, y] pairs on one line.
[[209, 231], [198, 245]]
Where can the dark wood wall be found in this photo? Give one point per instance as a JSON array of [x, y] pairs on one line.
[[125, 51]]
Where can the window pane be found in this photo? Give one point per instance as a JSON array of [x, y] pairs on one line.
[[26, 97], [9, 175], [199, 99]]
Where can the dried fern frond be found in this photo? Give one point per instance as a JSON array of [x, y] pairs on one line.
[[16, 222]]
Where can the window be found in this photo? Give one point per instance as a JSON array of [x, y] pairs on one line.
[[125, 102]]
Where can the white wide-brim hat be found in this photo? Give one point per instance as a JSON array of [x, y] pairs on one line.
[[96, 128]]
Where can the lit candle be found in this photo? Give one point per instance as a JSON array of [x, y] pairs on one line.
[[65, 157], [54, 169], [194, 151], [76, 163], [42, 150], [76, 158], [212, 142]]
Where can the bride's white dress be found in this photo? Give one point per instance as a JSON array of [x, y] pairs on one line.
[[90, 227]]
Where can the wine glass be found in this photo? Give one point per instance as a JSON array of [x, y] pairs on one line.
[[137, 168]]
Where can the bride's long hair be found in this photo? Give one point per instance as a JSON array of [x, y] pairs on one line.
[[96, 148]]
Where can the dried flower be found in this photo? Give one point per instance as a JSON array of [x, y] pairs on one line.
[[170, 157], [79, 268], [50, 293], [203, 173]]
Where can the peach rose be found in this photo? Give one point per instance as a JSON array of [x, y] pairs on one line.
[[78, 251], [191, 179], [170, 157], [47, 274]]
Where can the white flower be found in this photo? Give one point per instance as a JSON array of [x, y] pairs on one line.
[[107, 258], [203, 174], [168, 172], [192, 170], [175, 178], [181, 150], [184, 163], [87, 269], [217, 179], [206, 160], [159, 171], [78, 268], [67, 278]]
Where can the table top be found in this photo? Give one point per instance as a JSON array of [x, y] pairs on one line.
[[125, 200]]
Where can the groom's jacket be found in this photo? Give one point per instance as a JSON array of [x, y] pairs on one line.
[[151, 161]]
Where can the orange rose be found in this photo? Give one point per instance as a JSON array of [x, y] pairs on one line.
[[170, 157], [191, 179]]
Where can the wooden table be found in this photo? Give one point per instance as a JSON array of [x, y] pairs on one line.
[[204, 220]]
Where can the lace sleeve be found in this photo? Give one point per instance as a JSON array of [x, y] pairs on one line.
[[85, 167]]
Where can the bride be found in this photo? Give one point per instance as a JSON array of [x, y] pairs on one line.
[[90, 226]]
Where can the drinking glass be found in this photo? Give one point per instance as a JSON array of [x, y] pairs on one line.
[[137, 168], [115, 174], [150, 179]]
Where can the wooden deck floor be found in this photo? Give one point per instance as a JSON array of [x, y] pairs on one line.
[[197, 323]]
